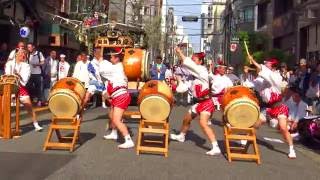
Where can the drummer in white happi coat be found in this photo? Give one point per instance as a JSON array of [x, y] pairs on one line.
[[96, 84], [268, 84], [20, 68], [117, 92], [204, 106], [219, 83]]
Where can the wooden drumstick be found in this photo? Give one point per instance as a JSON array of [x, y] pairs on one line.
[[247, 50]]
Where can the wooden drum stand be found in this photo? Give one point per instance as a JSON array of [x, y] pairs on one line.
[[63, 142], [238, 134], [6, 91]]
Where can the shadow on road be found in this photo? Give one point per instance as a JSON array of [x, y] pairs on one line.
[[269, 146], [26, 128]]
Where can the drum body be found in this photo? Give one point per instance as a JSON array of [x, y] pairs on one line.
[[9, 79], [65, 98], [241, 107], [155, 101], [136, 64], [309, 129]]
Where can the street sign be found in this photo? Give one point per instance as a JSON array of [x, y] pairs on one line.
[[190, 18], [235, 40], [233, 47]]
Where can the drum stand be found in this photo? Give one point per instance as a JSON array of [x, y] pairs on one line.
[[64, 142], [248, 134], [6, 130], [153, 128]]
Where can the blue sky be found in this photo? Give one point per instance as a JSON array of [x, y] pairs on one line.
[[190, 27]]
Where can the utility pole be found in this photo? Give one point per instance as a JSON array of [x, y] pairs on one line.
[[124, 11]]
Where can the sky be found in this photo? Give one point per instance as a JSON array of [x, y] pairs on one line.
[[190, 27]]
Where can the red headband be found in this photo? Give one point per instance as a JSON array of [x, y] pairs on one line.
[[200, 55], [272, 61]]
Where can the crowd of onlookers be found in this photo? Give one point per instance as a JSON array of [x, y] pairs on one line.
[[45, 71]]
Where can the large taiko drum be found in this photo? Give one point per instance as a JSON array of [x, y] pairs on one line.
[[66, 96], [241, 107], [136, 64], [155, 101], [9, 79]]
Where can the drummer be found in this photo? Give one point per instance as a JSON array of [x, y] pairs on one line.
[[96, 83], [270, 91], [117, 92], [219, 83], [204, 106], [21, 69]]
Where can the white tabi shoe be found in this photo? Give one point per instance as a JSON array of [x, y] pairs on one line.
[[38, 129], [111, 136], [179, 137], [292, 154], [126, 145], [214, 151]]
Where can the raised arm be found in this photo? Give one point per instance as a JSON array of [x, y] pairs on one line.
[[254, 62]]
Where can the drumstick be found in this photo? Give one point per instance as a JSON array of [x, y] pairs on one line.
[[247, 50]]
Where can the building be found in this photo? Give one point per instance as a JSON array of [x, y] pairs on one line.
[[293, 26], [308, 31], [238, 16]]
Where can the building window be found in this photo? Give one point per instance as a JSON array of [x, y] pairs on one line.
[[282, 7], [246, 15], [262, 14], [209, 26]]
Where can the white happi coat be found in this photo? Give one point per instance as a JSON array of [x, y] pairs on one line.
[[268, 84], [81, 72], [22, 68], [96, 65], [219, 83], [200, 85], [116, 80]]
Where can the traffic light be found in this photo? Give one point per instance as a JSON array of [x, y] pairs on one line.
[[190, 18]]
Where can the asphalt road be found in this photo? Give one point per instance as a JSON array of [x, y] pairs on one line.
[[96, 158]]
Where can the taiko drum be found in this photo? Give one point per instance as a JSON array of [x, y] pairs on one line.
[[241, 107], [136, 64], [65, 98], [155, 101], [9, 79]]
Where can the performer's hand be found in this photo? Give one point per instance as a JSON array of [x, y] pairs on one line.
[[178, 50], [250, 59]]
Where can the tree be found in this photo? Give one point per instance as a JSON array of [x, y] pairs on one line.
[[152, 29]]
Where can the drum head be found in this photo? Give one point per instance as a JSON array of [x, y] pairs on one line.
[[155, 108], [63, 105], [242, 113]]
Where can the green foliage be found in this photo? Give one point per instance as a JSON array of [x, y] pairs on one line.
[[153, 33]]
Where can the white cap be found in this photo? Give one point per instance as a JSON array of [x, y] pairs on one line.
[[62, 55], [303, 61]]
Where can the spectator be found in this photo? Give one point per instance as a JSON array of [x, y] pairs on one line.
[[3, 56], [183, 76], [63, 67], [158, 70], [81, 70], [96, 84], [247, 78], [284, 72], [230, 74], [36, 60], [49, 69], [303, 76], [20, 45], [297, 108]]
